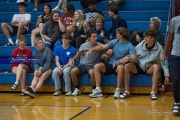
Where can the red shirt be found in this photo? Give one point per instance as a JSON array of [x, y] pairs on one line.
[[17, 52], [68, 20]]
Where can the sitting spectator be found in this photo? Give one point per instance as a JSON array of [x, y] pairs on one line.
[[42, 67], [63, 54], [40, 22], [19, 24], [36, 2], [86, 62], [53, 30], [117, 21], [91, 11], [68, 16], [61, 2], [20, 69], [155, 23], [103, 35], [149, 52], [121, 49], [80, 28]]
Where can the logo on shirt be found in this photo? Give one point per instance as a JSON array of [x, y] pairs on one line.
[[67, 53]]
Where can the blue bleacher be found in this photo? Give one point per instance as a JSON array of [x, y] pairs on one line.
[[136, 12]]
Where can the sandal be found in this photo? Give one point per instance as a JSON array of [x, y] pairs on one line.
[[14, 87], [9, 44]]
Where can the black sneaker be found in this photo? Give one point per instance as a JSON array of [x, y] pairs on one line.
[[30, 92], [9, 44]]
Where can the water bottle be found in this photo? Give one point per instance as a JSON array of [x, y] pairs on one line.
[[166, 63]]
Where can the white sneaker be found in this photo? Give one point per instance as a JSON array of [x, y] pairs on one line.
[[57, 92], [76, 92], [18, 1], [56, 8], [68, 93], [96, 93], [116, 94]]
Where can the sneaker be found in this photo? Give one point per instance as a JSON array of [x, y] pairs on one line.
[[68, 93], [96, 93], [56, 8], [125, 95], [76, 92], [35, 10], [30, 92], [18, 1], [9, 44], [116, 94], [153, 96], [22, 93], [176, 108], [57, 92]]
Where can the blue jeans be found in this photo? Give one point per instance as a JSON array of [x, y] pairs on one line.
[[52, 45], [174, 70]]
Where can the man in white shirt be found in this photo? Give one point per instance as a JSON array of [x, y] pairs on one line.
[[19, 24]]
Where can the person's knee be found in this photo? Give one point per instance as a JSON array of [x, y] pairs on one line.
[[91, 73], [74, 71], [34, 32], [156, 68], [41, 25], [3, 24], [120, 68], [20, 26], [97, 67], [55, 72], [24, 71]]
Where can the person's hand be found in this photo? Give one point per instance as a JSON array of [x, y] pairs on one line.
[[166, 81], [60, 71], [124, 60], [138, 39], [59, 20], [71, 62], [111, 37], [83, 36], [164, 57], [102, 33], [36, 72], [116, 64], [109, 52], [89, 52]]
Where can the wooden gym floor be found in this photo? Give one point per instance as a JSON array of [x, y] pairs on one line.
[[49, 107]]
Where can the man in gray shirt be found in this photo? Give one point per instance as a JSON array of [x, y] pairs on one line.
[[174, 38], [86, 62]]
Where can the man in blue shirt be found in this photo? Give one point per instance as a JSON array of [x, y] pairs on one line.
[[121, 49]]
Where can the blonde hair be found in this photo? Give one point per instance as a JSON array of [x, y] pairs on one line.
[[37, 40], [98, 17], [81, 19], [22, 38]]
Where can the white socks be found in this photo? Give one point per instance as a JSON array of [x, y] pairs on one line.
[[10, 41]]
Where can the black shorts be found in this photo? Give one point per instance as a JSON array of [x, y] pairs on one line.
[[109, 68], [139, 70], [84, 69], [15, 29]]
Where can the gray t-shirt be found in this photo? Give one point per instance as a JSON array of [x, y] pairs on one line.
[[55, 32], [174, 27], [93, 58]]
